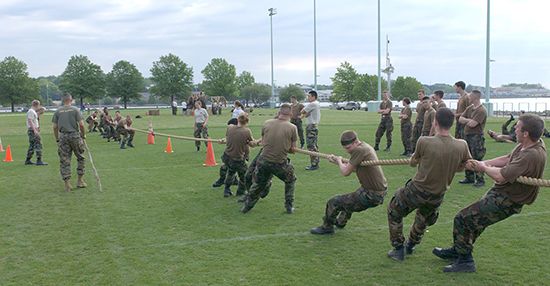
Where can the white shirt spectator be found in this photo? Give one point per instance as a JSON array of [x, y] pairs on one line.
[[184, 105], [236, 112], [32, 116], [314, 110]]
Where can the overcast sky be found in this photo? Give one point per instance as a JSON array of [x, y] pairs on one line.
[[436, 41]]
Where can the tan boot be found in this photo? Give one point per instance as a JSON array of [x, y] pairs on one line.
[[80, 183], [68, 186]]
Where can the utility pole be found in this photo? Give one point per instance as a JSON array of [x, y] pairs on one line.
[[272, 11], [389, 68]]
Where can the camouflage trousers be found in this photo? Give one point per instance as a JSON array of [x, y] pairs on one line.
[[70, 143], [249, 174], [406, 129], [234, 166], [476, 144], [200, 130], [340, 208], [417, 132], [126, 136], [385, 126], [404, 201], [261, 180], [459, 130], [298, 123], [311, 139], [35, 145], [471, 221]]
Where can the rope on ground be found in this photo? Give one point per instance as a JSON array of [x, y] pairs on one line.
[[93, 166], [221, 141], [522, 179]]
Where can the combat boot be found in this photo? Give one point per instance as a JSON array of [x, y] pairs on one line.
[[29, 162], [68, 186], [130, 144], [322, 230], [409, 247], [80, 183], [227, 193], [39, 162], [397, 253], [122, 145], [218, 183], [445, 253], [376, 147], [464, 263], [387, 148]]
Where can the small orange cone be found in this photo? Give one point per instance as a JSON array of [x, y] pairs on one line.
[[150, 138], [168, 146], [8, 154], [210, 158]]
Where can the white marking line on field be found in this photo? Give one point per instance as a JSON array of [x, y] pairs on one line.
[[296, 234]]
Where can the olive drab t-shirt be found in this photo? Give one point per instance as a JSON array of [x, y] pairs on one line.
[[237, 138], [407, 111], [429, 117], [478, 114], [371, 177], [462, 104], [385, 104], [529, 162], [441, 105], [421, 108], [296, 110], [67, 119], [439, 158], [277, 138]]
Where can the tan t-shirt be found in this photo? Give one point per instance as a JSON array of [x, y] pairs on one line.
[[296, 110], [371, 177], [462, 104], [237, 138], [441, 105], [439, 158], [429, 116], [478, 114], [385, 104], [277, 138], [407, 111], [421, 108], [529, 162]]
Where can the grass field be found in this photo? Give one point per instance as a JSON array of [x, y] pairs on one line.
[[158, 221]]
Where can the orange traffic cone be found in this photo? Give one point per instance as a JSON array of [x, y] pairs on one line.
[[8, 154], [210, 158], [1, 147], [168, 146], [150, 138]]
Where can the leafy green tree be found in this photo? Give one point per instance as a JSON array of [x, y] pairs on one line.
[[172, 78], [48, 90], [405, 87], [343, 82], [245, 79], [124, 81], [220, 79], [290, 90], [83, 79], [15, 84], [365, 87], [256, 93]]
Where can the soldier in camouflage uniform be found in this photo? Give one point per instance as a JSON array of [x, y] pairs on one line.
[[406, 127], [386, 122], [297, 119], [507, 196], [33, 131], [223, 167], [421, 108], [438, 158], [279, 137], [126, 134], [462, 104], [67, 121], [371, 192], [200, 128], [312, 112], [474, 118]]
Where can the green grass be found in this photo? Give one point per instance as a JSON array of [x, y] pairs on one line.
[[159, 221]]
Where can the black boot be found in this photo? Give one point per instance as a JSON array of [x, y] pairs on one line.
[[227, 192], [39, 162], [122, 145], [464, 263], [130, 144], [28, 161], [445, 253], [387, 148], [218, 183], [397, 253], [409, 247], [376, 147], [322, 230]]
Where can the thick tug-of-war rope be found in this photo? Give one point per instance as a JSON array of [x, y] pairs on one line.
[[221, 141], [521, 179], [388, 162]]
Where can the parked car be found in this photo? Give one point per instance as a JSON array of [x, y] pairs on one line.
[[351, 106]]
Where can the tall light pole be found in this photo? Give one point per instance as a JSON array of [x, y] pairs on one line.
[[379, 64], [389, 68], [487, 54], [272, 11], [314, 45]]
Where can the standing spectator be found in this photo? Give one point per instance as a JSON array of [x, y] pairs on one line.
[[174, 107], [406, 127], [462, 104], [33, 131], [296, 109], [201, 119], [386, 122], [312, 112], [238, 109], [421, 108], [183, 107], [474, 118]]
